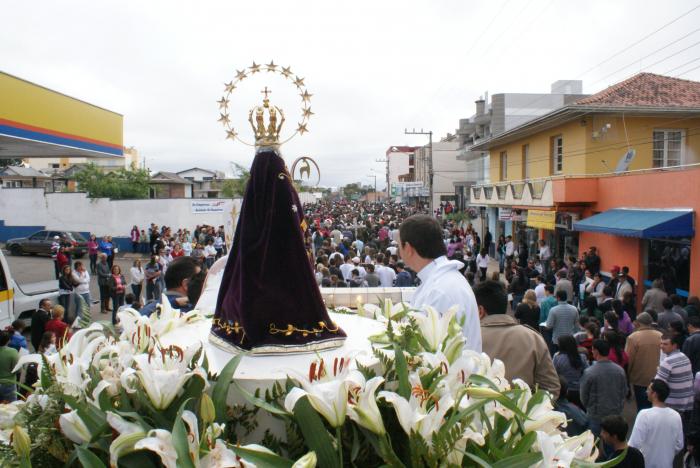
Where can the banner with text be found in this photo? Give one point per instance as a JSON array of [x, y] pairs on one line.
[[207, 206], [541, 219]]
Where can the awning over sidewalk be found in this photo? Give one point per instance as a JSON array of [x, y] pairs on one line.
[[640, 223]]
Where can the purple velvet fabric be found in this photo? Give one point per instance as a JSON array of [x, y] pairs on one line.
[[268, 284]]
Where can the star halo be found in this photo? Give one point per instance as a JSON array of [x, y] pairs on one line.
[[284, 72]]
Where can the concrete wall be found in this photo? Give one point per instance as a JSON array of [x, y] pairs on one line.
[[23, 211]]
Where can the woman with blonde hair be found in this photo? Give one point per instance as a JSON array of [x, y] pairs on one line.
[[58, 326], [528, 312]]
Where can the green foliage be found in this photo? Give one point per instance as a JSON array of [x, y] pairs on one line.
[[5, 162], [85, 314], [118, 185], [231, 188], [49, 448]]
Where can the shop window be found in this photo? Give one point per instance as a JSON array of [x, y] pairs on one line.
[[536, 189], [557, 154], [668, 148], [504, 165], [526, 161], [501, 191], [518, 189]]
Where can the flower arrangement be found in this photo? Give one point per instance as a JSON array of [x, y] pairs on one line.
[[111, 398]]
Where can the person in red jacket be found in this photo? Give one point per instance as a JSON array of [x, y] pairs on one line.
[[58, 326]]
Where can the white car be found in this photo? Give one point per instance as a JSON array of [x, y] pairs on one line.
[[20, 302]]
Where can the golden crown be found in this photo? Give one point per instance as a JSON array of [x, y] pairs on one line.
[[266, 120], [266, 133]]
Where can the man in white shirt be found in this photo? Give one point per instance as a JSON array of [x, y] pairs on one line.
[[386, 274], [510, 248], [658, 431], [544, 253], [539, 289], [360, 268], [442, 286], [346, 269]]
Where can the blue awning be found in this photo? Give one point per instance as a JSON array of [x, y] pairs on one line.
[[640, 223]]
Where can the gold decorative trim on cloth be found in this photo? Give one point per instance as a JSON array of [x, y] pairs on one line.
[[277, 349]]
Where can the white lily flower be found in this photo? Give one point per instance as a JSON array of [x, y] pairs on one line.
[[434, 327], [160, 442], [212, 432], [190, 420], [74, 428], [363, 407], [162, 377], [307, 461], [8, 411], [413, 414], [129, 435], [555, 454], [37, 399], [327, 392], [369, 310], [543, 418], [222, 457]]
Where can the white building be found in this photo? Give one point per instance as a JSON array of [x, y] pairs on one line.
[[400, 166], [446, 168], [205, 183]]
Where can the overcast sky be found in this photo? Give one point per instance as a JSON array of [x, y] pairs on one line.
[[373, 68]]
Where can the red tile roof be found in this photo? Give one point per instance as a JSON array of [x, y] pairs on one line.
[[401, 149], [647, 89]]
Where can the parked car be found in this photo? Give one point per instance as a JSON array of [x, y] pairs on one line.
[[40, 242], [20, 301]]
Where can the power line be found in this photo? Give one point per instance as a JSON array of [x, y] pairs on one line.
[[658, 61], [639, 41], [680, 66], [688, 71], [539, 98]]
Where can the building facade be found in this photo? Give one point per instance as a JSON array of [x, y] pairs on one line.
[[551, 173]]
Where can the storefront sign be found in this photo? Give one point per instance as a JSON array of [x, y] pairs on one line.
[[541, 219], [504, 214], [200, 207], [510, 214]]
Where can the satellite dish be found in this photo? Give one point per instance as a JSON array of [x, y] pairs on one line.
[[624, 164]]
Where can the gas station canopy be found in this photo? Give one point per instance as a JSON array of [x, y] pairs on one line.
[[39, 122]]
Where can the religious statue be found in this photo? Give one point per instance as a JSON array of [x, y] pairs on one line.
[[269, 301]]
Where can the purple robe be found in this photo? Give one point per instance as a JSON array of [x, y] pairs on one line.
[[269, 301]]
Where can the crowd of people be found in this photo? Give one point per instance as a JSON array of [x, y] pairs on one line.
[[558, 324]]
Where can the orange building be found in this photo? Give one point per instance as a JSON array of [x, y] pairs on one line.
[[617, 170]]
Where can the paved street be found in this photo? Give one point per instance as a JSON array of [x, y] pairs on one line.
[[29, 269]]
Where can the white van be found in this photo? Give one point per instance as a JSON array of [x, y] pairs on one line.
[[20, 302]]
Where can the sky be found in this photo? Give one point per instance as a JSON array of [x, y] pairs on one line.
[[373, 68]]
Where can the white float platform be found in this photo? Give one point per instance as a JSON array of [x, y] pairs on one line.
[[262, 371]]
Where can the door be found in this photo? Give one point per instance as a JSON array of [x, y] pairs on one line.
[[6, 295], [35, 242]]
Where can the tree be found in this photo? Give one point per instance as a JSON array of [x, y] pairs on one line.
[[231, 188], [9, 162], [118, 185]]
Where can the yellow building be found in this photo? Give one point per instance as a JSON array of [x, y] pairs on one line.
[[648, 113], [547, 174]]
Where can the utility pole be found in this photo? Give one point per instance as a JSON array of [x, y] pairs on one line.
[[388, 188], [430, 163], [375, 185]]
